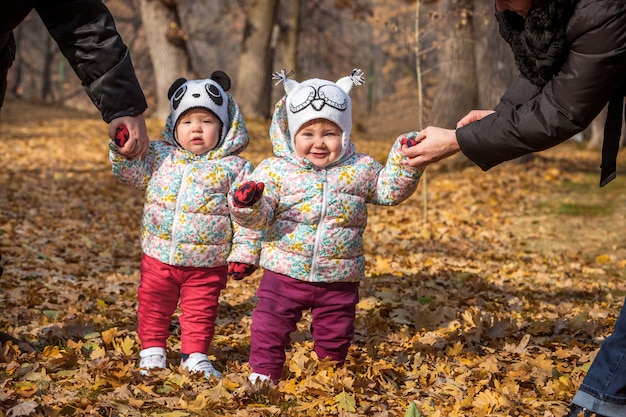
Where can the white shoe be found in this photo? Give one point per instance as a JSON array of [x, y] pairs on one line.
[[255, 377], [199, 362], [151, 358]]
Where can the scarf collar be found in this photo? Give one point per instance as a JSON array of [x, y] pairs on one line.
[[538, 41]]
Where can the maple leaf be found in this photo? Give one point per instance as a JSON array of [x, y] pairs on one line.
[[413, 411], [125, 346], [455, 349], [345, 402], [22, 409]]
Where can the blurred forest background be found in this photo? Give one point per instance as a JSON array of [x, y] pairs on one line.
[[443, 57]]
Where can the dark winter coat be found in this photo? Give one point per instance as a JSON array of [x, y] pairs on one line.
[[530, 118], [85, 32]]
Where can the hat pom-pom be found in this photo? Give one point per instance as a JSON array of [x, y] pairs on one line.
[[283, 77], [356, 78]]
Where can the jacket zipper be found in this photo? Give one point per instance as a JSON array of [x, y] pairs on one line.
[[318, 233], [175, 225]]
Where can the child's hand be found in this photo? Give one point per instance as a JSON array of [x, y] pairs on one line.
[[248, 194], [239, 271]]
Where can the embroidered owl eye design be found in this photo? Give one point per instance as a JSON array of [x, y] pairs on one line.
[[317, 98], [178, 96], [214, 94], [333, 96]]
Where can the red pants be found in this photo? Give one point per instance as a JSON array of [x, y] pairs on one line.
[[160, 288]]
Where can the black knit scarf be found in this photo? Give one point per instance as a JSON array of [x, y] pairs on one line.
[[538, 41]]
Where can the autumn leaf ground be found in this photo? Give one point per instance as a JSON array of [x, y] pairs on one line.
[[487, 294]]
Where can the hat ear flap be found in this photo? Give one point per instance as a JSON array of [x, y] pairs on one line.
[[175, 85], [222, 79]]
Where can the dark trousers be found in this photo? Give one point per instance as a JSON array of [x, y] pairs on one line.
[[281, 302]]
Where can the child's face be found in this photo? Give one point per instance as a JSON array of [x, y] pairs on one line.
[[198, 131], [319, 141]]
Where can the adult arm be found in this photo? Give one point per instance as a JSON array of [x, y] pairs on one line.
[[86, 34], [528, 119]]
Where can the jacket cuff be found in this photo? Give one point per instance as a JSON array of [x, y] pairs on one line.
[[118, 93]]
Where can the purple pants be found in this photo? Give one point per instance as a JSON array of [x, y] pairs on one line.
[[160, 288], [281, 302]]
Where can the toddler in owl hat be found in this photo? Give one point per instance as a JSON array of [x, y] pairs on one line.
[[189, 243], [310, 202]]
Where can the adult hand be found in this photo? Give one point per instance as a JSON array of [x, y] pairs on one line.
[[433, 144], [137, 144], [473, 116]]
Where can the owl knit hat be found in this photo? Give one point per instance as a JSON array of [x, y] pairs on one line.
[[319, 99], [209, 94]]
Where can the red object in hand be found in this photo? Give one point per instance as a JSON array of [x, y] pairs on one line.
[[408, 142], [121, 135], [239, 270], [248, 194]]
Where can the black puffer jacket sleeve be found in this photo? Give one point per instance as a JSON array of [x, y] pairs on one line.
[[529, 119], [87, 36]]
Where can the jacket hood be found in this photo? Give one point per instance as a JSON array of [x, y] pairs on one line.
[[282, 141], [235, 141]]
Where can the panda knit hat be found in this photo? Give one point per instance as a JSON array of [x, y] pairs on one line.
[[319, 99], [209, 94]]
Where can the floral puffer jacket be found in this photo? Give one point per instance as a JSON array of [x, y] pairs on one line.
[[313, 218], [186, 221]]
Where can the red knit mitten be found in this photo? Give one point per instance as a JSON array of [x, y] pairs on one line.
[[121, 135], [408, 141], [238, 270], [248, 194]]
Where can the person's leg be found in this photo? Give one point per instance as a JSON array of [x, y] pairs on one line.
[[278, 310], [333, 314], [603, 391], [158, 297], [199, 301]]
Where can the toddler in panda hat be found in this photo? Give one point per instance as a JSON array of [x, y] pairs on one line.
[[190, 245]]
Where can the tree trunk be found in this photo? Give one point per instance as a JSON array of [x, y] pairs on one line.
[[168, 52], [495, 65], [457, 87], [254, 81], [46, 75], [291, 39]]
